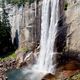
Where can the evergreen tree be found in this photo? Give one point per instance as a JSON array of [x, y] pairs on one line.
[[20, 2], [5, 31]]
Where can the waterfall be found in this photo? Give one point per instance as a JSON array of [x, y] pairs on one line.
[[15, 19], [46, 58]]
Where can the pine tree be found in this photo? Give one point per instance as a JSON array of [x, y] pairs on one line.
[[5, 31]]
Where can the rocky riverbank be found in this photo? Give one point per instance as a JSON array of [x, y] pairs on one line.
[[21, 60], [6, 65], [65, 72]]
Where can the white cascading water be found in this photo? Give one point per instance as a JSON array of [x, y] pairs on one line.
[[15, 19], [48, 35]]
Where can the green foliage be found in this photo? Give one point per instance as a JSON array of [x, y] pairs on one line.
[[30, 1], [5, 31], [65, 5], [25, 49], [20, 2], [74, 77], [11, 56]]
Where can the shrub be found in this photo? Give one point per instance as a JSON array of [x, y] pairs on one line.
[[65, 6]]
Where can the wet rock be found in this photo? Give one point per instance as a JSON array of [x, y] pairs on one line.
[[6, 65], [49, 76], [69, 69]]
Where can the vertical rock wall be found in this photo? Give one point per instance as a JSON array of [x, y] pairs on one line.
[[73, 21], [25, 24]]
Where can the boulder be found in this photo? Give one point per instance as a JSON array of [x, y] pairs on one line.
[[49, 76]]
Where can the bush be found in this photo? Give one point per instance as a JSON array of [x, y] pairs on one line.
[[65, 6], [19, 2]]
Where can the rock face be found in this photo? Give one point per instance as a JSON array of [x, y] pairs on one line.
[[73, 21], [25, 23], [30, 31]]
